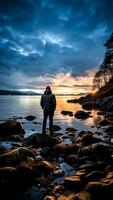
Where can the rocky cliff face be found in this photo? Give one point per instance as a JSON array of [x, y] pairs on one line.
[[104, 97], [106, 90]]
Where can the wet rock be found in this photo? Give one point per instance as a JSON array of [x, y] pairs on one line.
[[104, 123], [2, 149], [101, 113], [63, 112], [16, 144], [65, 148], [87, 167], [17, 117], [35, 193], [45, 151], [72, 101], [101, 150], [65, 137], [71, 196], [82, 173], [81, 133], [85, 151], [15, 156], [73, 182], [103, 189], [81, 114], [58, 189], [24, 175], [30, 117], [15, 181], [39, 140], [109, 129], [98, 133], [88, 139], [16, 138], [71, 135], [49, 198], [109, 115], [94, 176], [56, 128], [11, 127], [59, 173], [46, 166], [90, 106], [73, 159], [71, 129]]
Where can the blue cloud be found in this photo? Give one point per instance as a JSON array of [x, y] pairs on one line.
[[51, 36]]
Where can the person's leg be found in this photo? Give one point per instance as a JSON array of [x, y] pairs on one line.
[[51, 114], [45, 114]]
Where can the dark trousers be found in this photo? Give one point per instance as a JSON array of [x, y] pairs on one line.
[[47, 114]]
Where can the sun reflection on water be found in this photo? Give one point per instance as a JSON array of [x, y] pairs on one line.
[[32, 104]]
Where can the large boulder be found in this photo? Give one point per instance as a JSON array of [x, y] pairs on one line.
[[15, 156], [16, 138], [82, 114], [73, 182], [101, 150], [103, 189], [88, 138], [11, 127], [65, 148], [94, 176], [41, 140], [14, 181]]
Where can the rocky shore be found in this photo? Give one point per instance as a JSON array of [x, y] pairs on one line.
[[44, 167]]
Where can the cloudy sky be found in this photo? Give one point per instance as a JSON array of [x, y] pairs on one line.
[[52, 42]]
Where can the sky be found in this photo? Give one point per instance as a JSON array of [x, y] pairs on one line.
[[52, 42]]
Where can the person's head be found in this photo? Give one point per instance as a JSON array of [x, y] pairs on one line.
[[48, 90]]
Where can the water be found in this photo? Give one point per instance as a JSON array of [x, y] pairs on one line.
[[21, 106]]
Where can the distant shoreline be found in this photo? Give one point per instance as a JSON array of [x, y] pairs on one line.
[[41, 94], [30, 93]]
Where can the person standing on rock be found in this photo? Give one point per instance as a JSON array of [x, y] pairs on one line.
[[48, 104]]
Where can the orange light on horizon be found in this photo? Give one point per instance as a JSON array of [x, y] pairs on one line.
[[61, 83], [69, 84]]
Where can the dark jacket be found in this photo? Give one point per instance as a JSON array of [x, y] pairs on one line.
[[48, 101]]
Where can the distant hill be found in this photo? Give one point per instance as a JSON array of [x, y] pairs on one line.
[[15, 92]]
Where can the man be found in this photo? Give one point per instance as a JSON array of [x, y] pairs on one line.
[[48, 104]]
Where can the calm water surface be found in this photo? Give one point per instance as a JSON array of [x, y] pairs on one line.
[[21, 106]]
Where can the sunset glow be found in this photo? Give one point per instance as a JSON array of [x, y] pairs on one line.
[[68, 84], [61, 83]]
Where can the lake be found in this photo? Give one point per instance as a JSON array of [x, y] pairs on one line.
[[21, 106]]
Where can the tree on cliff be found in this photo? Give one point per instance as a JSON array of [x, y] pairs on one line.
[[105, 72]]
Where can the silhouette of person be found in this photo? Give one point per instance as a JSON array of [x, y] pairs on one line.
[[48, 104]]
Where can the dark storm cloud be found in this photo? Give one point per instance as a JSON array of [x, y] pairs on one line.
[[53, 36]]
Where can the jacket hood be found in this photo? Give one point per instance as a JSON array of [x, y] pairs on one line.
[[47, 92]]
